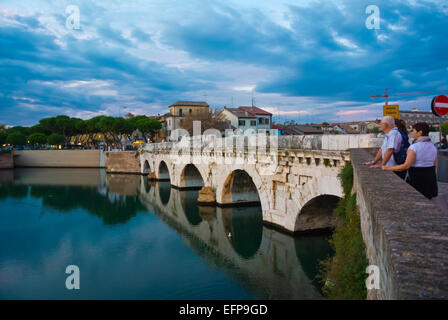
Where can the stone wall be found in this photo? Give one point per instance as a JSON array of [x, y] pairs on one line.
[[405, 234], [58, 158], [6, 160], [123, 162]]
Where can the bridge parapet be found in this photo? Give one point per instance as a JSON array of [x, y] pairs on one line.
[[405, 234], [263, 142]]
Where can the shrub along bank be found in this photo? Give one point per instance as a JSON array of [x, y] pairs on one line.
[[343, 275]]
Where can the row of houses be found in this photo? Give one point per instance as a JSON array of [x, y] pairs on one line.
[[252, 117]]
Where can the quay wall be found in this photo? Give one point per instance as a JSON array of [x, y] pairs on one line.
[[58, 158], [6, 160], [123, 162]]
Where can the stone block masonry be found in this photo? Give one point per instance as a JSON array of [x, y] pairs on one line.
[[405, 234], [123, 162]]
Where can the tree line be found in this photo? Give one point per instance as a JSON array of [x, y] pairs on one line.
[[59, 130]]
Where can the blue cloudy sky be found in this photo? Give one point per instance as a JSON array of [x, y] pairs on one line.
[[304, 60]]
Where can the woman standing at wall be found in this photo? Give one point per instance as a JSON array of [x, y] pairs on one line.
[[421, 161]]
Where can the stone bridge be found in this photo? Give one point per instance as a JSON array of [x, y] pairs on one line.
[[294, 178]]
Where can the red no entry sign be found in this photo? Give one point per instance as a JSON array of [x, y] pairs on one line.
[[439, 105]]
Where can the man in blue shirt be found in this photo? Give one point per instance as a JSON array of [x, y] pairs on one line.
[[391, 144]]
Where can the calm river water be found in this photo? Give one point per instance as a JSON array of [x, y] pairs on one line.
[[136, 240]]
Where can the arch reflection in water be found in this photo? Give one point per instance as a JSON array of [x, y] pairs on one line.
[[254, 261], [243, 227], [164, 191], [310, 250], [263, 260], [189, 201]]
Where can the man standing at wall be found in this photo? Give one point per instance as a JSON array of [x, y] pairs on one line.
[[391, 145]]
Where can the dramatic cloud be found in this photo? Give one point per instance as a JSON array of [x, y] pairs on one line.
[[302, 60]]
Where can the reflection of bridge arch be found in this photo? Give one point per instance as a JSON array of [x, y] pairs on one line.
[[274, 261], [318, 213], [189, 201], [164, 192], [243, 228]]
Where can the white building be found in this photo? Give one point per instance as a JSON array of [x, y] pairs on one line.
[[244, 118]]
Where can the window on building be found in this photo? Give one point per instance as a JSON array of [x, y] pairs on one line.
[[180, 112], [191, 110], [241, 122], [253, 122], [267, 121], [260, 120]]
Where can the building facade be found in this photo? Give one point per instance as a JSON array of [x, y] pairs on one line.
[[180, 110], [244, 118], [417, 115]]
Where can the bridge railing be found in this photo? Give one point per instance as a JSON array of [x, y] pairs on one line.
[[268, 143]]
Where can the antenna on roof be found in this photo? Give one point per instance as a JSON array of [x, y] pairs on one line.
[[252, 97]]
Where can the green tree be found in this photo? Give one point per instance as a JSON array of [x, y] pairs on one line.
[[16, 139], [37, 138], [148, 126], [23, 130], [48, 125], [445, 128], [3, 136], [56, 139], [81, 126], [375, 130]]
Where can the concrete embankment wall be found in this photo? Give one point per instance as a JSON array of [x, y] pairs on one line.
[[58, 158], [405, 234], [122, 162], [6, 160]]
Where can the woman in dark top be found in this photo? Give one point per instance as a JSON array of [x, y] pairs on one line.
[[421, 162]]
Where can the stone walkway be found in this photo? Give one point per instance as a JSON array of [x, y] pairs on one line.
[[443, 188], [443, 192]]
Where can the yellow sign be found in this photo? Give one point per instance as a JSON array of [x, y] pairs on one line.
[[391, 110]]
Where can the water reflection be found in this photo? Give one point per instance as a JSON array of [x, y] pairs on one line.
[[244, 229], [239, 257], [164, 191]]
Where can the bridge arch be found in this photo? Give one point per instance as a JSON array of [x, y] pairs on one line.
[[191, 177], [164, 171], [238, 187], [224, 190], [317, 213], [146, 168]]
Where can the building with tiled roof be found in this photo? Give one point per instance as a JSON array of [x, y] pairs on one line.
[[244, 118]]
